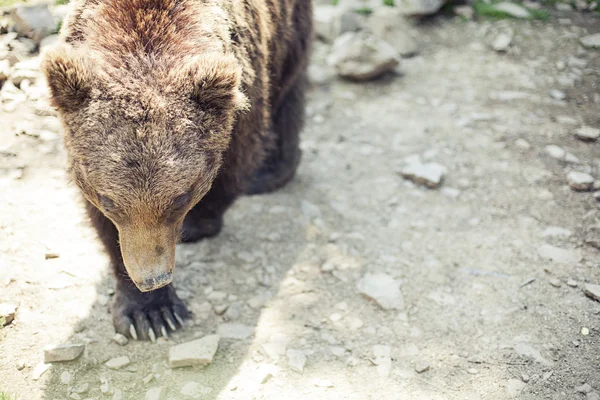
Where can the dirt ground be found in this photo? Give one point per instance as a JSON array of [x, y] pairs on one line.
[[485, 309]]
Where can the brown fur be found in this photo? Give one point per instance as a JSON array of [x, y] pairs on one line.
[[170, 105]]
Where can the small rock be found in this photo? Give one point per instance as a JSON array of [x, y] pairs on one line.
[[119, 339], [429, 174], [555, 152], [195, 390], [512, 9], [34, 21], [157, 393], [555, 282], [473, 371], [592, 291], [419, 7], [558, 94], [362, 56], [450, 192], [580, 181], [502, 42], [514, 387], [464, 11], [522, 144], [421, 366], [556, 231], [66, 377], [63, 352], [566, 120], [559, 255], [83, 388], [587, 133], [220, 308], [526, 350], [585, 331], [591, 41], [196, 352], [593, 395], [7, 313], [572, 283], [233, 311], [235, 331], [259, 300], [383, 289], [585, 388], [118, 362], [148, 378], [296, 360], [389, 25], [39, 370]]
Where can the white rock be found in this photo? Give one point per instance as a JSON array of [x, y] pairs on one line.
[[389, 25], [450, 192], [580, 181], [587, 133], [512, 9], [34, 21], [39, 370], [66, 377], [383, 289], [324, 383], [502, 42], [522, 144], [120, 339], [556, 231], [323, 16], [555, 151], [63, 352], [558, 255], [429, 174], [514, 387], [157, 393], [118, 362], [7, 312], [422, 366], [527, 350], [558, 94], [591, 41], [362, 56], [592, 291], [296, 360], [195, 390], [419, 7], [235, 331], [196, 352], [382, 359], [566, 120]]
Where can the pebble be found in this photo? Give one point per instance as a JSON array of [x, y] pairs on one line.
[[559, 255], [195, 390], [512, 9], [418, 7], [572, 283], [592, 291], [558, 94], [383, 289], [556, 231], [502, 42], [566, 120], [449, 192], [235, 331], [429, 174], [580, 181], [555, 151], [555, 282], [66, 377], [39, 370], [591, 41], [514, 387], [382, 359], [233, 311], [522, 144], [119, 339], [7, 312], [157, 393], [296, 360], [587, 133], [388, 25], [593, 395], [585, 388], [118, 362], [585, 331], [63, 352], [197, 352], [362, 56], [324, 383], [421, 366]]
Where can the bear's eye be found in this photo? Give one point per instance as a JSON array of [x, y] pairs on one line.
[[106, 203]]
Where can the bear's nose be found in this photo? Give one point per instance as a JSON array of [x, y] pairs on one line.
[[155, 282]]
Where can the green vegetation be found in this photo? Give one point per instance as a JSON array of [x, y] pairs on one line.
[[6, 3], [2, 322], [7, 396], [484, 9]]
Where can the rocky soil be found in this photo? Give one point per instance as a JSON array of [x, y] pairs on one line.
[[441, 240]]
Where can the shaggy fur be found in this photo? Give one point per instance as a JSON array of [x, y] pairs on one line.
[[172, 109]]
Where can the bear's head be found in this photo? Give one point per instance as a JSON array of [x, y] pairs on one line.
[[145, 142]]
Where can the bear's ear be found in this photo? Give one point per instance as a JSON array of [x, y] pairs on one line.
[[68, 77], [215, 82]]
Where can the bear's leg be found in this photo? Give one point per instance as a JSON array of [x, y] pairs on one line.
[[136, 314], [206, 218], [281, 164]]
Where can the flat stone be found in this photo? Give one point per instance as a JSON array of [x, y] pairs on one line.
[[119, 339], [389, 25], [587, 133], [362, 56], [591, 41], [429, 174], [63, 352], [7, 312], [197, 352], [556, 231], [558, 94], [529, 351], [592, 291], [157, 393], [296, 360], [34, 21], [580, 181], [422, 366], [566, 120], [118, 362], [514, 387], [502, 42], [585, 388], [195, 390], [235, 331], [512, 9], [559, 255], [383, 289], [39, 370]]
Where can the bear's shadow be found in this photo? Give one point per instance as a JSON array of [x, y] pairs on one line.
[[263, 237]]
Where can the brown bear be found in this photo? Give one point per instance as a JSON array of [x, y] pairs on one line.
[[171, 110]]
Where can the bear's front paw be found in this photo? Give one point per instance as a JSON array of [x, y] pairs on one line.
[[143, 316]]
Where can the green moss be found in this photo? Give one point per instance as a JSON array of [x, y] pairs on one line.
[[388, 3], [60, 2], [489, 11]]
